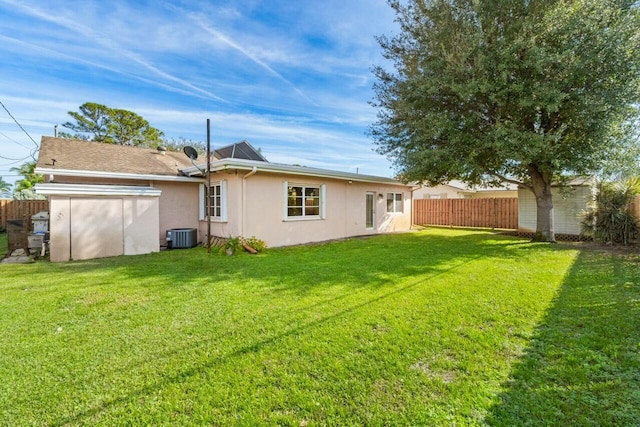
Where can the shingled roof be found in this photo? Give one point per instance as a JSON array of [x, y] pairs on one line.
[[76, 155]]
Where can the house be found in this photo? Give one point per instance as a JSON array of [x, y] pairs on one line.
[[108, 200], [459, 190], [568, 204]]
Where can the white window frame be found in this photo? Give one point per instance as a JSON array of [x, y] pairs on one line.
[[303, 217], [223, 202], [397, 205]]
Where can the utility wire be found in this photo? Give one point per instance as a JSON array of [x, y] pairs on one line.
[[18, 160], [13, 140], [11, 163], [19, 125]]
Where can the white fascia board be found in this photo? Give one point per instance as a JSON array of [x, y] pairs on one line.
[[242, 164], [117, 175], [56, 189]]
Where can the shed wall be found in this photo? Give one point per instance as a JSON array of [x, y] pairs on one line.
[[567, 207], [96, 227]]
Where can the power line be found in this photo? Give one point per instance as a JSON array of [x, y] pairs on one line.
[[17, 160], [13, 140], [12, 163], [19, 125]]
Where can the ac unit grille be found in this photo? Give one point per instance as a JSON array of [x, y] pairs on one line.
[[178, 238]]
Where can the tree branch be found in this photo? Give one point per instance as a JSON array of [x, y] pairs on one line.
[[510, 180]]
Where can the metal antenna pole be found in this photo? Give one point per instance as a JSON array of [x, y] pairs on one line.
[[208, 192]]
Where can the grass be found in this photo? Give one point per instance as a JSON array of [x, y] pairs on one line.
[[440, 327], [3, 245]]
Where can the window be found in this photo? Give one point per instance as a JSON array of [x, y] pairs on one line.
[[304, 201], [217, 201], [395, 202]]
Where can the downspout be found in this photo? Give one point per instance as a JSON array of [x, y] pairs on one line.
[[412, 208], [244, 197]]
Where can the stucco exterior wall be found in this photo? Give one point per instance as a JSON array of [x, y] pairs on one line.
[[256, 207], [178, 204], [140, 225], [178, 208], [96, 227], [63, 179], [59, 228], [566, 209]]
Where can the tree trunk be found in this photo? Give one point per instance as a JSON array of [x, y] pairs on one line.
[[541, 186]]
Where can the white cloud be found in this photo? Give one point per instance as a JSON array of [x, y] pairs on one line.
[[291, 77]]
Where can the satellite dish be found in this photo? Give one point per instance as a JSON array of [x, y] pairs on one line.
[[190, 152]]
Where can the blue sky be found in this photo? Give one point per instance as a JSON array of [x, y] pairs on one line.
[[292, 77]]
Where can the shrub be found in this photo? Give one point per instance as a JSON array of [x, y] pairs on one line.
[[611, 219], [233, 245], [255, 243]]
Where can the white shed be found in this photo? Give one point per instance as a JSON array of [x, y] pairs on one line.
[[568, 204]]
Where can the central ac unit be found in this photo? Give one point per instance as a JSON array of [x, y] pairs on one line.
[[179, 238]]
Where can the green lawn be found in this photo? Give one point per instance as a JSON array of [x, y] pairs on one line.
[[3, 245], [439, 327]]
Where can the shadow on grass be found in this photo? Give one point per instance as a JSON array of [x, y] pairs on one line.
[[372, 262], [377, 262], [363, 271], [258, 345], [583, 365]]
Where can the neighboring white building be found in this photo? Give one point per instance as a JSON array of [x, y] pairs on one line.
[[460, 190], [568, 205]]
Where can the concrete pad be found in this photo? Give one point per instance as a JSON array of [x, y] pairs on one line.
[[16, 260], [17, 257]]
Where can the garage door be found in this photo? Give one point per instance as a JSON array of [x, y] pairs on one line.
[[97, 228]]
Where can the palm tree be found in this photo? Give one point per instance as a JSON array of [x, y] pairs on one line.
[[27, 170], [5, 189]]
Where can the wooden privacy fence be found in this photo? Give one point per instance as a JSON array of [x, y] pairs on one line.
[[18, 209], [487, 213], [635, 206]]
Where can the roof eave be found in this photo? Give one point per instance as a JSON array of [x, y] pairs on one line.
[[239, 164], [116, 175], [57, 189]]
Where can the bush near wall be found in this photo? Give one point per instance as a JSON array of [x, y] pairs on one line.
[[613, 218]]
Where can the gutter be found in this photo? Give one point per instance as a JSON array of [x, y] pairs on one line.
[[268, 167], [57, 189], [116, 175]]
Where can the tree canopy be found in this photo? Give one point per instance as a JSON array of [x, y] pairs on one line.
[[521, 91], [97, 122]]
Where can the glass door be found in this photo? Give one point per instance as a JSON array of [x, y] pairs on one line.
[[370, 210]]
